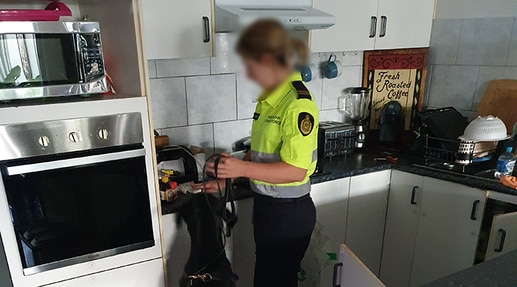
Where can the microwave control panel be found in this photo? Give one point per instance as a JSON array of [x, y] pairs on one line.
[[91, 56]]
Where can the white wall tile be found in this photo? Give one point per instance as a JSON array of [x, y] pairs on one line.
[[182, 67], [353, 58], [512, 53], [332, 115], [247, 94], [486, 74], [198, 135], [151, 66], [211, 99], [444, 41], [226, 133], [333, 89], [484, 41], [316, 89], [168, 102], [453, 86], [225, 60]]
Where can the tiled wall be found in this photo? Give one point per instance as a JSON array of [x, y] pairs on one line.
[[465, 55], [209, 102]]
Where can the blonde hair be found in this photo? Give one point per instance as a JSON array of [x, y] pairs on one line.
[[269, 37]]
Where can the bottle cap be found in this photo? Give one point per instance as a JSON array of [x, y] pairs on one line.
[[509, 149], [165, 179], [173, 185]]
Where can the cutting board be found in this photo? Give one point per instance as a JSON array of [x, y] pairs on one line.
[[500, 100]]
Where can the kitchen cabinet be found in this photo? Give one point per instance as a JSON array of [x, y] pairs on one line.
[[374, 24], [331, 201], [244, 243], [149, 274], [448, 230], [405, 200], [503, 235], [176, 245], [367, 216], [351, 271], [177, 29]]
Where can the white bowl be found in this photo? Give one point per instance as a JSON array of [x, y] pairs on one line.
[[488, 128]]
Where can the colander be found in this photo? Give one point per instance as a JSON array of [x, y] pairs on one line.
[[486, 129]]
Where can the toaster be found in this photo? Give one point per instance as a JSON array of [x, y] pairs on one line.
[[335, 139]]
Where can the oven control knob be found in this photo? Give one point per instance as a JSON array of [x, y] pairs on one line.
[[74, 137], [103, 134], [43, 141]]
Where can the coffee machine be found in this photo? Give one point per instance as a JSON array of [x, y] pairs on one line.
[[354, 103]]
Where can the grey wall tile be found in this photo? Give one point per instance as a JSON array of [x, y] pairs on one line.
[[211, 99], [247, 94], [486, 74], [151, 66], [333, 89], [168, 102], [512, 53], [428, 80], [226, 133], [453, 86], [353, 58], [316, 89], [198, 135], [484, 41], [444, 41], [182, 67], [225, 60], [331, 115]]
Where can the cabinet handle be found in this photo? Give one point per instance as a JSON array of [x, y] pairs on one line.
[[384, 24], [206, 23], [501, 243], [335, 282], [413, 195], [474, 210], [373, 27]]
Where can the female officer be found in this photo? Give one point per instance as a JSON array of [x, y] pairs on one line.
[[283, 153]]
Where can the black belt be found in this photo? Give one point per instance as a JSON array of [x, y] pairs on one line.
[[281, 200]]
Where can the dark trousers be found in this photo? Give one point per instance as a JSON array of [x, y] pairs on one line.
[[282, 234]]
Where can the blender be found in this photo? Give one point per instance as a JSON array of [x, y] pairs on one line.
[[355, 105]]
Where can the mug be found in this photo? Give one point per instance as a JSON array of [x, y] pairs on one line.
[[332, 69], [309, 73]]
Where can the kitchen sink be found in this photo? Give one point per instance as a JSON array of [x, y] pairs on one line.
[[477, 170]]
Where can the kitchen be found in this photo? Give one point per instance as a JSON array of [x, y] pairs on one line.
[[362, 202]]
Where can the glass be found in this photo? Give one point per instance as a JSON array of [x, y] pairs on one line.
[[355, 103], [65, 213]]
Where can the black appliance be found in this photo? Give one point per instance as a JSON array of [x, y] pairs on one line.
[[174, 153], [391, 124], [335, 139]]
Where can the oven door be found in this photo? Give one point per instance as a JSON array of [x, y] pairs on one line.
[[77, 209]]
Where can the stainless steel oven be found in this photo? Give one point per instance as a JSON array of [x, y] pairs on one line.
[[50, 59], [77, 190]]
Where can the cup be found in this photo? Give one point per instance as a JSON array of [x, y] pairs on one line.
[[332, 68], [309, 73]]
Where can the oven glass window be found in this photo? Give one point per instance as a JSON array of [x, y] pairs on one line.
[[85, 212], [31, 60]]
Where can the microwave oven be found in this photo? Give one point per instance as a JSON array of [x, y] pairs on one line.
[[50, 59]]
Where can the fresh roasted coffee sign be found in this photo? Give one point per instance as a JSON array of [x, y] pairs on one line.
[[397, 75]]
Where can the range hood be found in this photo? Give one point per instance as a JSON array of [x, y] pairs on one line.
[[229, 18]]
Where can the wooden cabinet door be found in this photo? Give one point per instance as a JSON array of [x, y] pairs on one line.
[[367, 216], [354, 20], [404, 24], [503, 235], [448, 230], [331, 201], [177, 29], [404, 203]]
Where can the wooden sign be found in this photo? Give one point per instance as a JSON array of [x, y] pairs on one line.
[[395, 75]]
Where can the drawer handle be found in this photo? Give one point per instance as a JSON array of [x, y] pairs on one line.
[[473, 215], [206, 23], [373, 27], [501, 243], [384, 24], [413, 195], [335, 282]]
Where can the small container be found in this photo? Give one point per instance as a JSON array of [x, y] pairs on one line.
[[164, 186], [172, 192], [506, 163]]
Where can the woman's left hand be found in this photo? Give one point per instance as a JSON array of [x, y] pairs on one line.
[[228, 167]]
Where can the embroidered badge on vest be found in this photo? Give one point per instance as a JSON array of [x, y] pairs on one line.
[[302, 91], [305, 123]]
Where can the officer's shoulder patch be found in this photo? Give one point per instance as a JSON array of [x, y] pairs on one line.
[[301, 89], [305, 123]]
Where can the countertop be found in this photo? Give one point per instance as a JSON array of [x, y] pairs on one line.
[[362, 163], [498, 272]]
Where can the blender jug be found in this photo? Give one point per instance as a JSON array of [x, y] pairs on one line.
[[355, 104]]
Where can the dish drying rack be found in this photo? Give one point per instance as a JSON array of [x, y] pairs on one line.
[[456, 151]]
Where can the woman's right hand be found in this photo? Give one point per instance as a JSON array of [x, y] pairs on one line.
[[210, 186]]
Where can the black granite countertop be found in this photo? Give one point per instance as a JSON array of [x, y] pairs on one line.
[[498, 272], [364, 162]]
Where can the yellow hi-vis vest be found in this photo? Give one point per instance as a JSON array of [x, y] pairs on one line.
[[285, 129]]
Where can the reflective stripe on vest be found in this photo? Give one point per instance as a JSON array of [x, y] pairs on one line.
[[274, 157], [281, 191]]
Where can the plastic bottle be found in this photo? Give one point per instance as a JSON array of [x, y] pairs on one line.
[[506, 163]]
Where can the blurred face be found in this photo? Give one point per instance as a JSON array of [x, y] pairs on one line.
[[265, 72]]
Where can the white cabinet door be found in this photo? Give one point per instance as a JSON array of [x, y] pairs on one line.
[[367, 216], [176, 241], [331, 201], [149, 274], [448, 230], [404, 204], [503, 236], [244, 243], [351, 271], [352, 29], [404, 24], [177, 28]]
